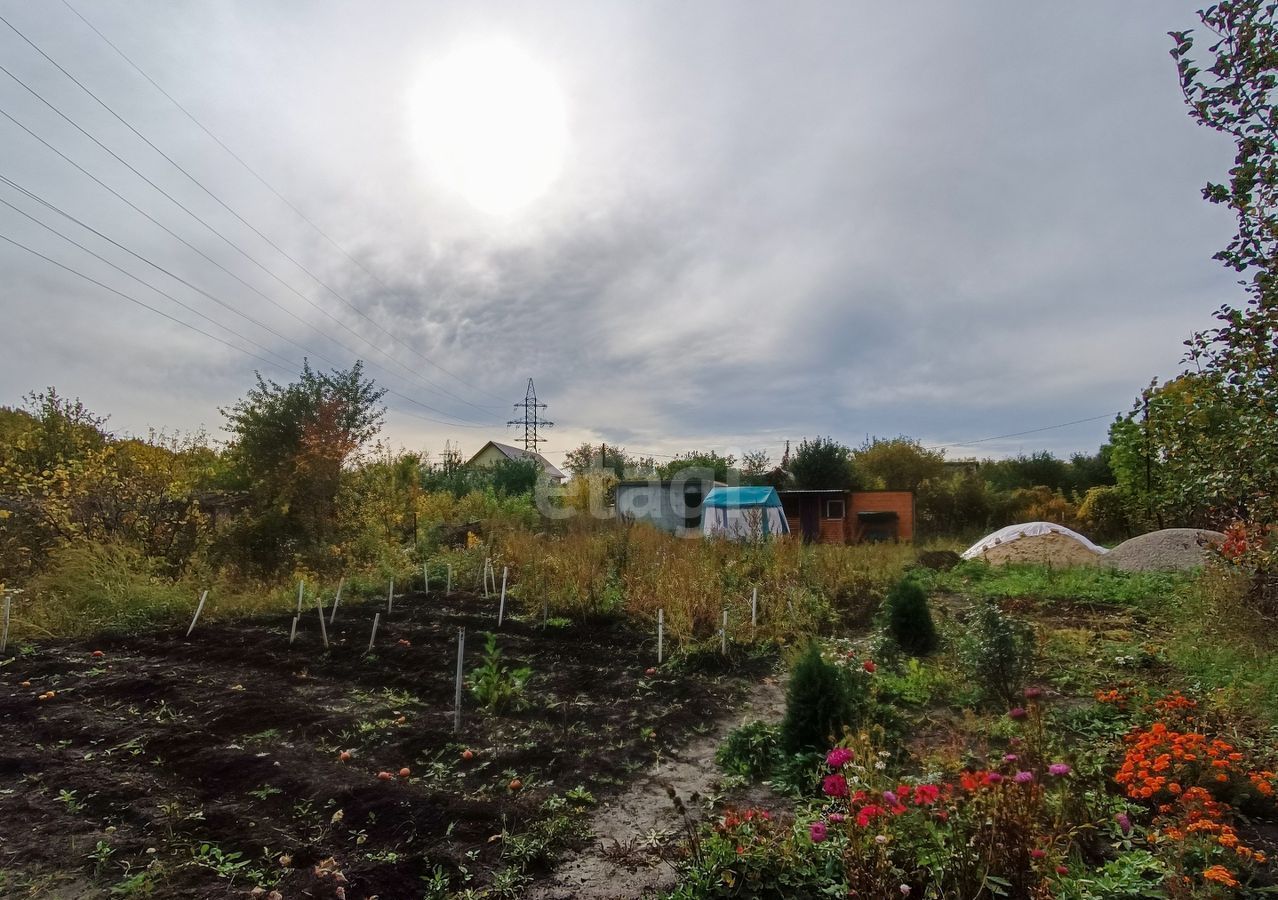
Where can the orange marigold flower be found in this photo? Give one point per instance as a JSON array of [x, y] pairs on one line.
[[1220, 875]]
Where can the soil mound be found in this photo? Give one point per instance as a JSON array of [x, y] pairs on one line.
[[1169, 550], [1043, 543], [941, 560], [1050, 549]]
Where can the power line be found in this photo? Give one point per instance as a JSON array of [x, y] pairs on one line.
[[417, 375], [191, 309], [188, 244], [226, 206], [198, 330], [999, 437]]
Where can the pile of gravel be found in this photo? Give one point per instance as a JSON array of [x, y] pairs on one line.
[[1169, 550]]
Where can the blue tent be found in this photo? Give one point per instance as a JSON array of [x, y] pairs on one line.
[[743, 513]]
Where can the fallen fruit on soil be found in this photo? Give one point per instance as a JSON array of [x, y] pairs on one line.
[[649, 672], [404, 772], [344, 756], [515, 784], [468, 755], [385, 776], [25, 684]]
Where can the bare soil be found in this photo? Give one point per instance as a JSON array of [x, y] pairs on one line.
[[232, 739]]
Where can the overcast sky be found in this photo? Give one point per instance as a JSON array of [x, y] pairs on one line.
[[951, 221]]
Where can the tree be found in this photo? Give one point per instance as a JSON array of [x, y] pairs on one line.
[[515, 477], [589, 457], [898, 464], [288, 448], [710, 462], [1233, 93], [823, 464], [909, 621]]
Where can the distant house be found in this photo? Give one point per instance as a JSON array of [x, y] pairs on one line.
[[849, 517], [673, 506], [492, 453]]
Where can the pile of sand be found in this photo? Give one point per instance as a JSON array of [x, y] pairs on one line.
[[1169, 550], [1050, 549]]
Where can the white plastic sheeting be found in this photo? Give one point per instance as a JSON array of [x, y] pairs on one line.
[[1027, 529]]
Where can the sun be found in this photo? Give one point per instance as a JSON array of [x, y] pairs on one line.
[[490, 124]]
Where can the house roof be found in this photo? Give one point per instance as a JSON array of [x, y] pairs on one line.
[[519, 453]]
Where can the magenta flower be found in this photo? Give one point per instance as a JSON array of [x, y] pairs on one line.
[[838, 757], [1036, 853], [1017, 713], [817, 832], [1124, 823], [1010, 758], [836, 818], [891, 798], [1023, 777], [993, 778], [834, 786], [1033, 693], [1058, 770]]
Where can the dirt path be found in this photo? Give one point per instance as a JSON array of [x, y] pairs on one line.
[[625, 861]]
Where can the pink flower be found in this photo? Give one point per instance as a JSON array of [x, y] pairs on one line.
[[880, 839], [993, 778], [1010, 758], [839, 757], [1124, 823], [817, 832], [1023, 777], [1036, 853], [891, 798], [1033, 693], [834, 786], [869, 666], [837, 818], [1058, 770], [1017, 713]]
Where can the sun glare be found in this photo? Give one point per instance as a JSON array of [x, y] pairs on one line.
[[490, 124]]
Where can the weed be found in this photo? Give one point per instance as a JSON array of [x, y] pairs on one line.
[[494, 684]]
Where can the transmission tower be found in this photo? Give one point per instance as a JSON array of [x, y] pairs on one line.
[[531, 422]]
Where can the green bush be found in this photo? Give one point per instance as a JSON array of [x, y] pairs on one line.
[[998, 653], [751, 751], [494, 684], [820, 700], [909, 621]]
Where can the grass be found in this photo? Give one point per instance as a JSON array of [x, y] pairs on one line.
[[1094, 584]]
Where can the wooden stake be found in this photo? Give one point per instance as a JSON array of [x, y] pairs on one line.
[[198, 609], [292, 635], [501, 608], [337, 599], [323, 628], [4, 634], [754, 608], [390, 596], [377, 617], [461, 671], [661, 635]]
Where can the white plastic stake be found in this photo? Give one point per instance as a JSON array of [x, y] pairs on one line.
[[390, 596], [501, 607], [300, 585], [377, 617], [448, 589], [457, 699], [426, 577], [661, 635], [337, 599], [292, 635], [319, 605], [723, 634], [198, 609], [754, 608], [4, 635]]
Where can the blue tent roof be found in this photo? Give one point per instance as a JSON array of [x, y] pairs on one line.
[[742, 498]]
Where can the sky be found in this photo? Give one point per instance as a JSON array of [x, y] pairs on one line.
[[738, 223]]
